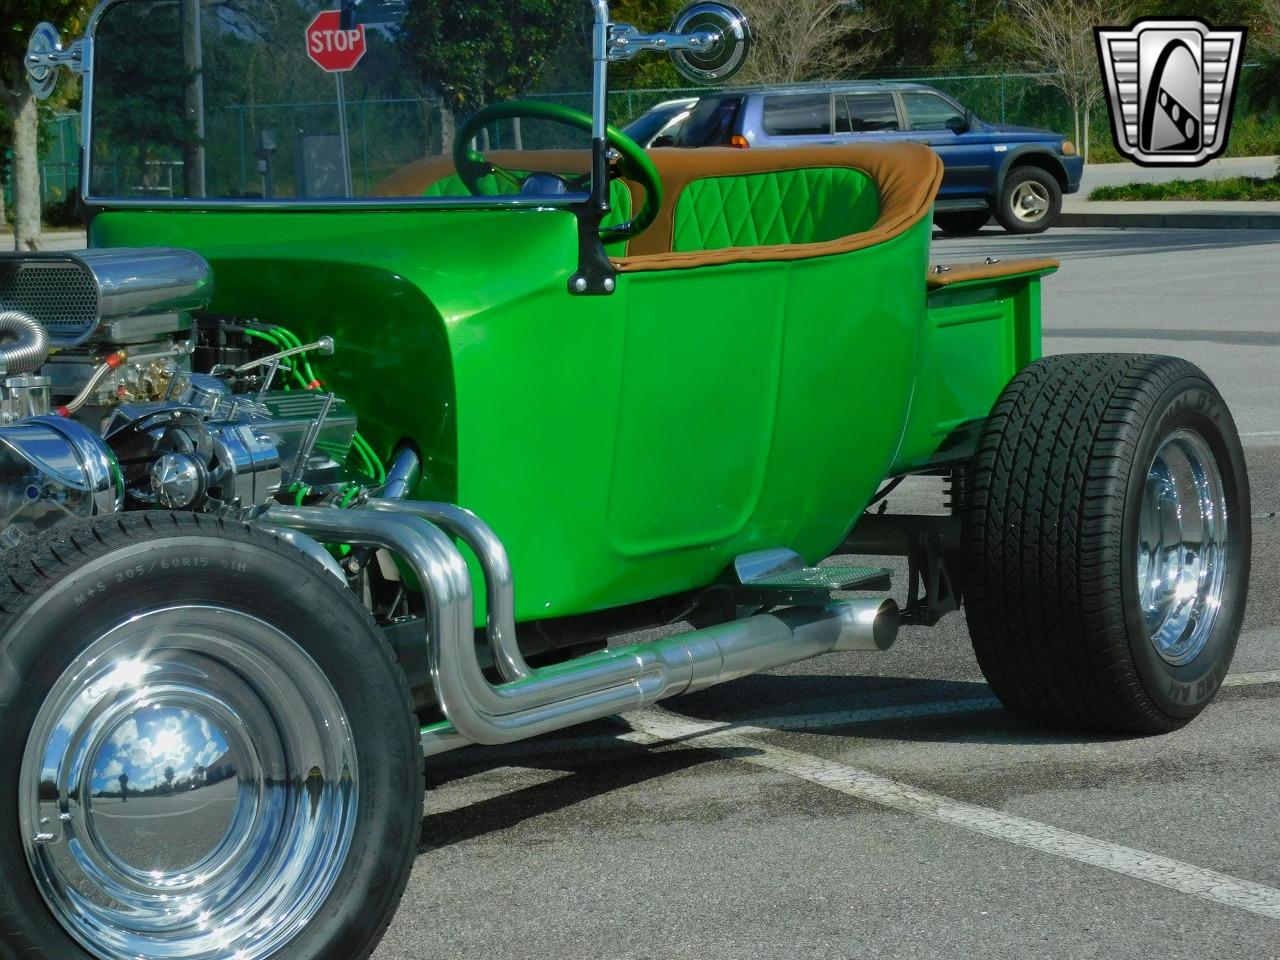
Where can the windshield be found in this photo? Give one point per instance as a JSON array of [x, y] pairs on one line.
[[272, 99], [711, 123], [646, 127]]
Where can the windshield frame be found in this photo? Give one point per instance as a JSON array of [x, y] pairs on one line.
[[93, 204]]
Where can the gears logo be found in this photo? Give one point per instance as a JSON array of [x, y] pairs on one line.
[[1170, 85]]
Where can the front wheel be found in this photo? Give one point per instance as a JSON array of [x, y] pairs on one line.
[[212, 750], [1107, 543], [1030, 201]]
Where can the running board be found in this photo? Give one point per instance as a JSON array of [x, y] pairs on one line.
[[537, 701], [779, 575]]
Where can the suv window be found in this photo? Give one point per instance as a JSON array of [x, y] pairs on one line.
[[711, 123], [865, 113], [928, 111], [803, 115]]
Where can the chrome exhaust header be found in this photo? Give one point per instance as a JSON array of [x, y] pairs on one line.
[[536, 701]]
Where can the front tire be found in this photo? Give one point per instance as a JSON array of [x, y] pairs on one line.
[[1107, 543], [212, 750], [1030, 200]]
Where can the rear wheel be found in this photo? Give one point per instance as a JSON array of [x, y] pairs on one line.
[[960, 223], [1106, 533], [214, 750], [1030, 200]]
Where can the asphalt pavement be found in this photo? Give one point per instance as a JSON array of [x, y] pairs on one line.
[[883, 805]]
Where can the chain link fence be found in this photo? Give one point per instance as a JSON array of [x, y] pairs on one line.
[[260, 141]]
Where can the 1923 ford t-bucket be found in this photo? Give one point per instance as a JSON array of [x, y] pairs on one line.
[[597, 391]]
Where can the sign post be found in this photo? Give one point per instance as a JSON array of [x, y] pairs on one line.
[[337, 51]]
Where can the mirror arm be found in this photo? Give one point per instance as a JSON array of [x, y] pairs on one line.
[[626, 42], [72, 57]]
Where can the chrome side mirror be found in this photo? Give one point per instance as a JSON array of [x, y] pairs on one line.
[[45, 54], [708, 41]]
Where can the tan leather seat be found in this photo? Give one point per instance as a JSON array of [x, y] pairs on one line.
[[905, 177]]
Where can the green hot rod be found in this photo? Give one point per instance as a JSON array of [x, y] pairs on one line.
[[356, 434]]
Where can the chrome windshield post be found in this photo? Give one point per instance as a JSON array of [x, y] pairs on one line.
[[600, 35]]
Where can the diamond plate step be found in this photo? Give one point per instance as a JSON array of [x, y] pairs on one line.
[[822, 578]]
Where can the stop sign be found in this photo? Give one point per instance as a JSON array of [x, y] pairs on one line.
[[334, 49]]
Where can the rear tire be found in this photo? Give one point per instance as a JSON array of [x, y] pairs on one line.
[[248, 780], [961, 223], [1104, 586], [1030, 200]]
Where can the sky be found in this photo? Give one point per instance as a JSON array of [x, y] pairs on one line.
[[147, 743]]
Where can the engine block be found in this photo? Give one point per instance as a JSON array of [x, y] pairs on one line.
[[117, 419]]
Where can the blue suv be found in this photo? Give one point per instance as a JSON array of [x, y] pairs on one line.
[[1017, 174]]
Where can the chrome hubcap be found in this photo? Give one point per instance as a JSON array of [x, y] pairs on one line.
[[189, 789], [1182, 547], [1030, 201]]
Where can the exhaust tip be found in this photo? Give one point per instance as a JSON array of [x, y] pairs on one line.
[[870, 624]]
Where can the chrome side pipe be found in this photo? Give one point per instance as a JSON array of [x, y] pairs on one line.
[[499, 583], [588, 688]]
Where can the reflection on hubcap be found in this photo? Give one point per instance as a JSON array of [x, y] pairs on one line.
[[189, 789], [1182, 547]]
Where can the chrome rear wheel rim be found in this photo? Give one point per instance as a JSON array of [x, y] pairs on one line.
[[189, 789], [1182, 547]]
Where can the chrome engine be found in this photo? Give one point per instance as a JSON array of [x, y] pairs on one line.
[[103, 409]]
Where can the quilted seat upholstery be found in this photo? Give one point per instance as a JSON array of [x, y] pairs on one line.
[[808, 205]]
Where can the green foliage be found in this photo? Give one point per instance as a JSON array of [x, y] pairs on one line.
[[1234, 188], [474, 52], [1253, 134]]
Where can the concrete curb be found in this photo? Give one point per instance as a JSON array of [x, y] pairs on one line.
[[1167, 221]]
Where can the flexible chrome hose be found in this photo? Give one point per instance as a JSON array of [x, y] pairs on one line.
[[24, 343], [99, 374]]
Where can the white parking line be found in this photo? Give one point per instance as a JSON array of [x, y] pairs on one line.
[[1249, 679], [660, 727]]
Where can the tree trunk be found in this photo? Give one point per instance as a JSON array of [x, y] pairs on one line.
[[26, 172], [447, 127], [1075, 116], [1084, 146], [193, 157]]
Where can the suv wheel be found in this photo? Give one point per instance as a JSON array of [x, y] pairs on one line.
[[1030, 201]]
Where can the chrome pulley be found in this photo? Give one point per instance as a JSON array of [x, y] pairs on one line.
[[1182, 547], [189, 789]]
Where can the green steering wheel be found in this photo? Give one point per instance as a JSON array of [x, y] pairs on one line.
[[634, 164]]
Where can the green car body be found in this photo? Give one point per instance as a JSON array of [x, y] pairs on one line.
[[630, 446]]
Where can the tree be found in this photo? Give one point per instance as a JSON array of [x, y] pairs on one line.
[[808, 40], [169, 774], [21, 17], [1264, 44], [473, 52], [1058, 37]]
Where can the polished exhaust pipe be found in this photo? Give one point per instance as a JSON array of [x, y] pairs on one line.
[[589, 688]]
